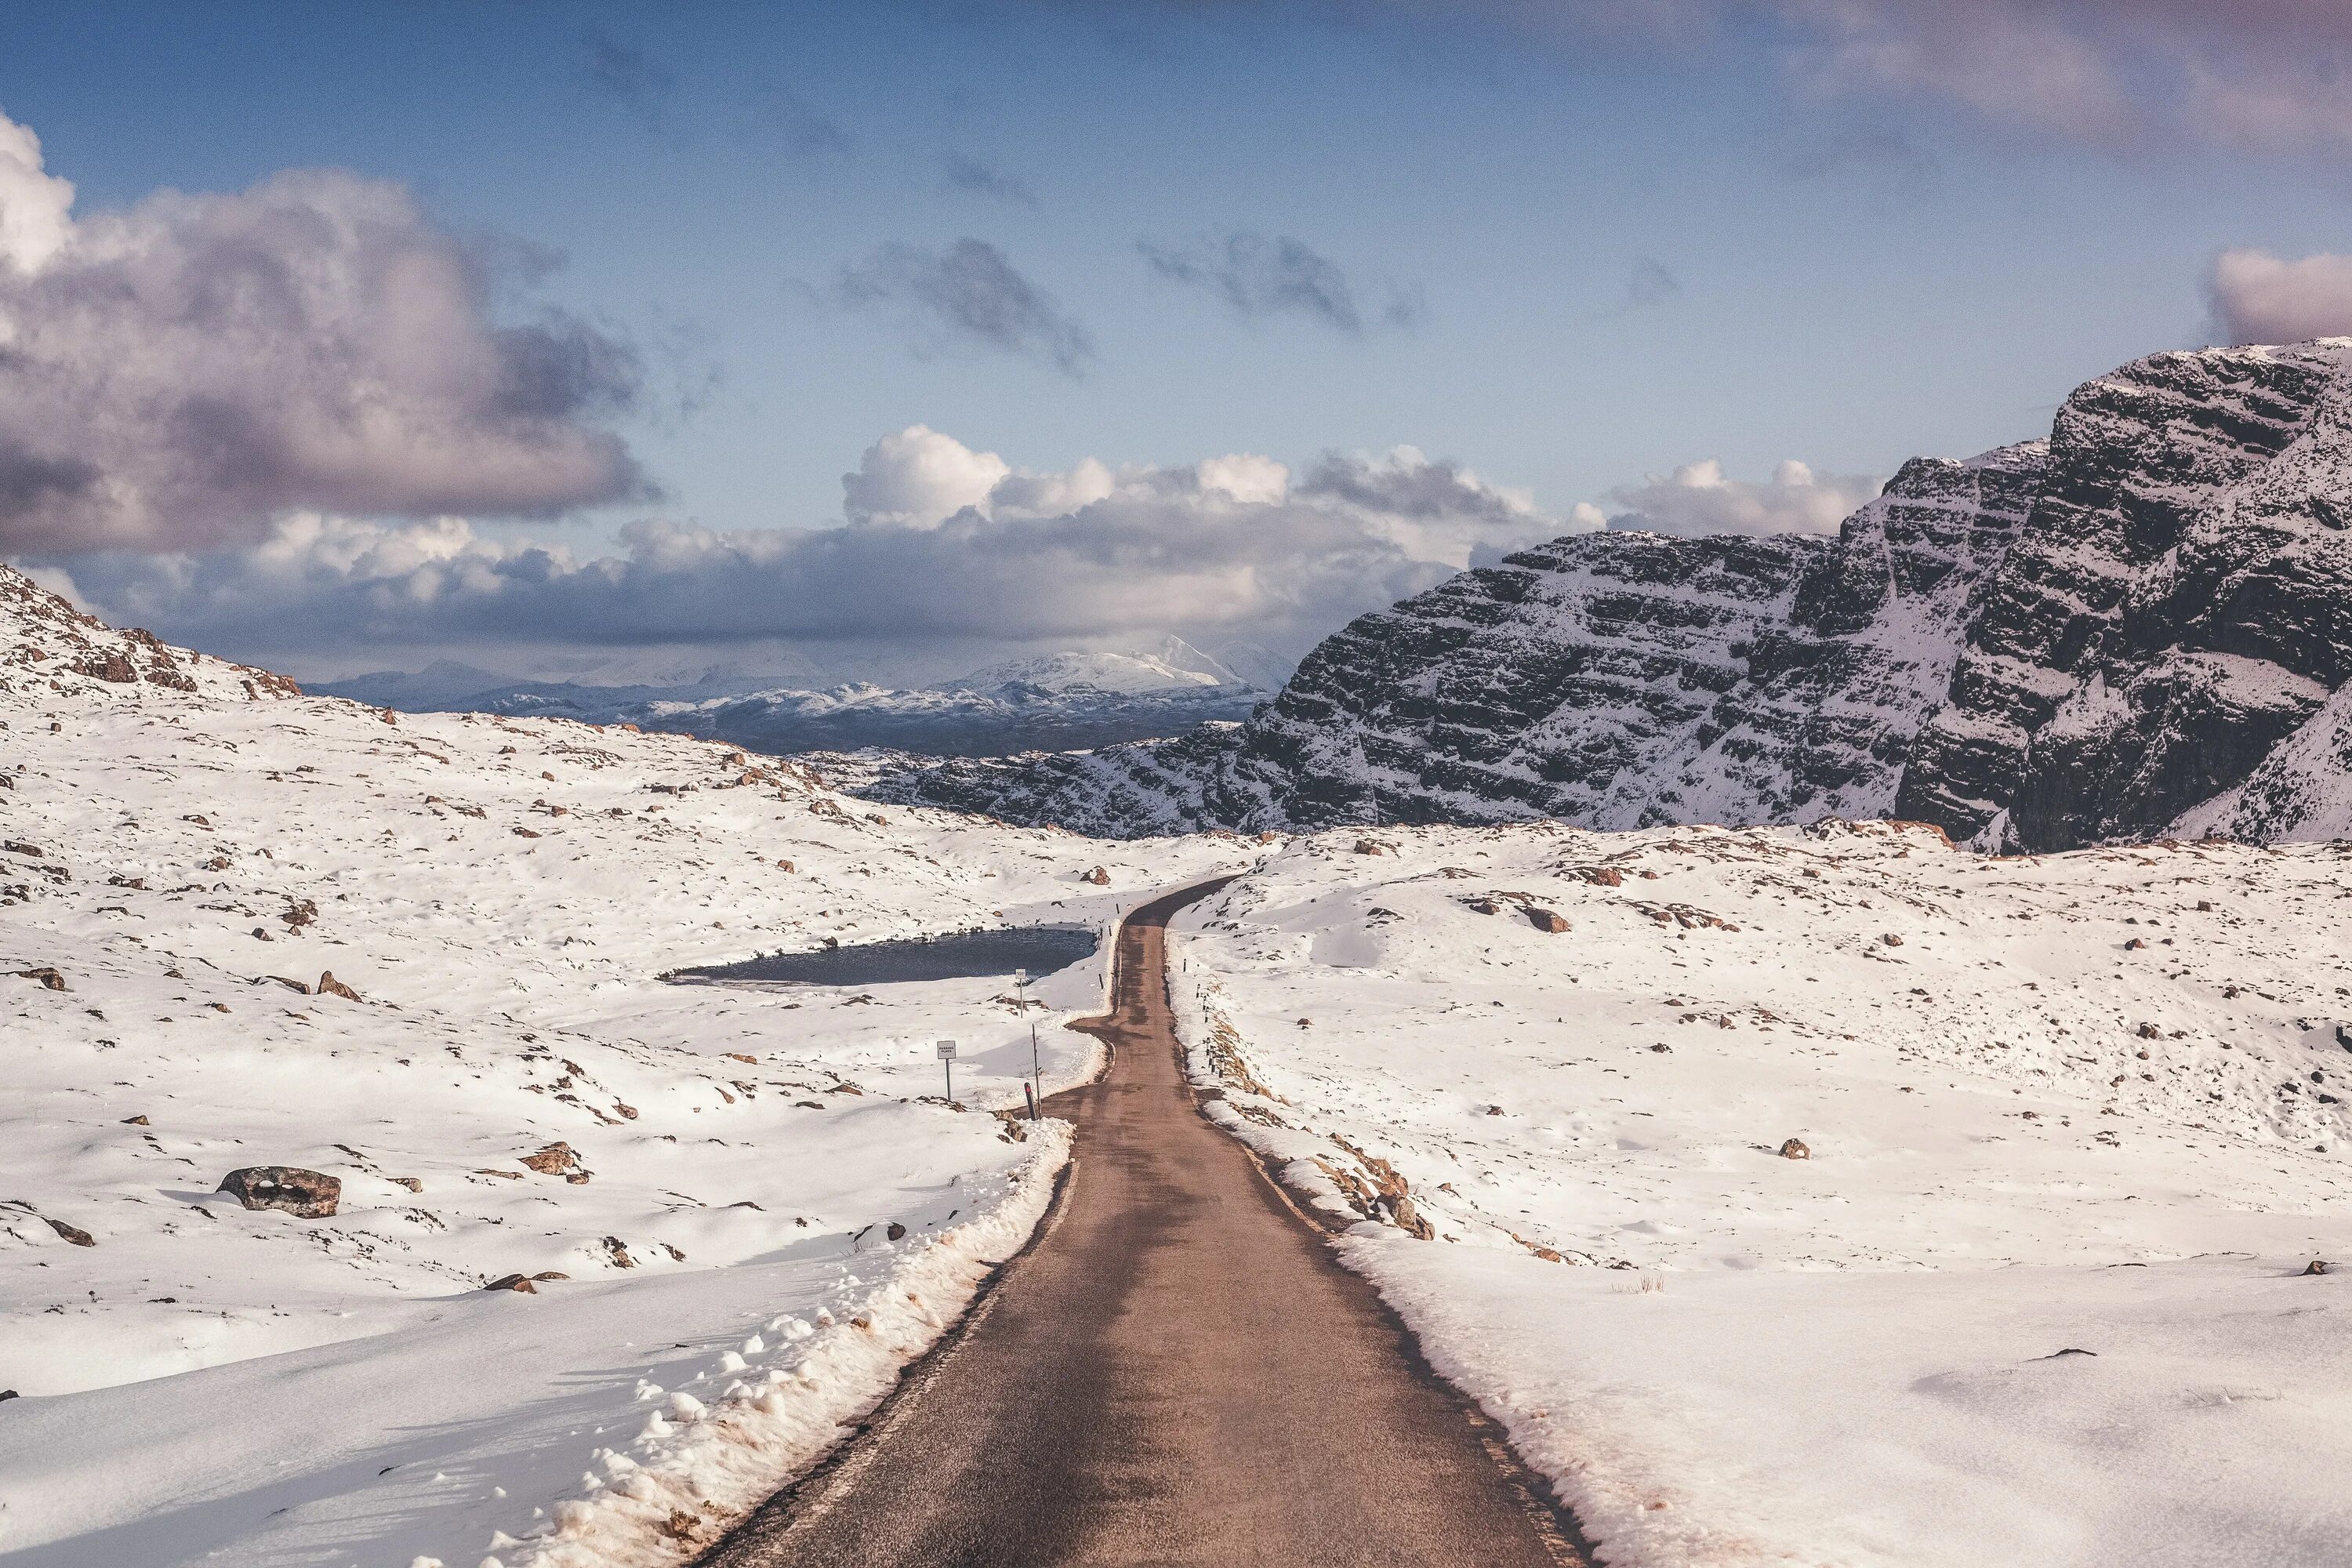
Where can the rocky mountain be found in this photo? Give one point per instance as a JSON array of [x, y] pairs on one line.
[[2132, 627], [1055, 701]]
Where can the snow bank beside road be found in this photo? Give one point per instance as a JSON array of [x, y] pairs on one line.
[[187, 846], [2093, 1102]]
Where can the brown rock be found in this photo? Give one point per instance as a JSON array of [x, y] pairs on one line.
[[513, 1282], [896, 1232], [552, 1161], [1891, 939], [134, 1121], [1545, 919], [1367, 846], [1099, 876], [1794, 1149], [74, 1234], [2149, 1032], [2316, 1266], [330, 987], [1599, 875], [411, 1183], [48, 977], [305, 1194]]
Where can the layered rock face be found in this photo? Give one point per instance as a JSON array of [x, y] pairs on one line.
[[2127, 629], [2179, 602]]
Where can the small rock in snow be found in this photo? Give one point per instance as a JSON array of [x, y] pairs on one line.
[[305, 1194]]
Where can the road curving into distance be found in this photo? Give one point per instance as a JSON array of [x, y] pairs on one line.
[[1175, 1371]]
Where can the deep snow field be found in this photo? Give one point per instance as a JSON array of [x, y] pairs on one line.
[[203, 1384], [2092, 1102]]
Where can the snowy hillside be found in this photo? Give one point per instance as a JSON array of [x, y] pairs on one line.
[[2072, 1129], [1054, 701], [2085, 640], [702, 1182]]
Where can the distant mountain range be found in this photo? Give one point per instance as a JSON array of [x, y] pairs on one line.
[[2139, 626], [1053, 702]]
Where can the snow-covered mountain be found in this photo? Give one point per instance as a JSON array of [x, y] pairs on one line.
[[1054, 701], [2115, 632]]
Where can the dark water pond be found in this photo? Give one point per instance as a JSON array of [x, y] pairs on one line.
[[1040, 950]]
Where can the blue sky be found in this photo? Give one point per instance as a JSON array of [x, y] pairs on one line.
[[1737, 233]]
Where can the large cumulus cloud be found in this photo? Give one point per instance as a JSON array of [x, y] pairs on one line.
[[174, 375], [943, 542]]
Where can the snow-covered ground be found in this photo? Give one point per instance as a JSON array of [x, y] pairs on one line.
[[189, 845], [2090, 1103]]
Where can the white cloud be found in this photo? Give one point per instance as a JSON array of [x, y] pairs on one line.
[[2260, 299], [1698, 499], [921, 477], [33, 203], [1431, 510], [176, 372], [944, 543]]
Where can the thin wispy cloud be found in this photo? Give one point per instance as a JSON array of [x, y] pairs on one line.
[[627, 75], [2263, 75], [960, 172], [775, 116], [1651, 285], [1257, 275], [968, 295]]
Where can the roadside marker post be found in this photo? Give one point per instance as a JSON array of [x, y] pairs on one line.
[[946, 1049], [1036, 1085]]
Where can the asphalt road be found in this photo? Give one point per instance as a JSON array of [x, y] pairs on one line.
[[1176, 1370]]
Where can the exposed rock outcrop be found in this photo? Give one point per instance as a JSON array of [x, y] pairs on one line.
[[2141, 626]]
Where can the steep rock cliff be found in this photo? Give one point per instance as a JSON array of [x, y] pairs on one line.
[[2131, 628]]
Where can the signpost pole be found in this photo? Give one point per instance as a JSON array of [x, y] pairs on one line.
[[946, 1049], [1036, 1078]]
